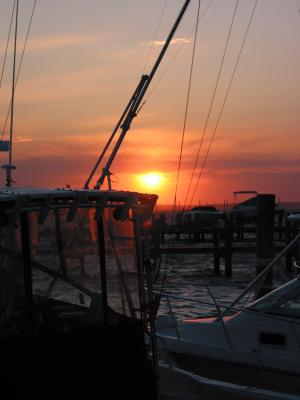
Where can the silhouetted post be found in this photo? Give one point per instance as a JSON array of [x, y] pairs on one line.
[[60, 245], [280, 220], [152, 231], [288, 238], [242, 228], [189, 225], [155, 237], [296, 230], [178, 225], [202, 236], [265, 238], [162, 222], [196, 227], [228, 220], [239, 219], [216, 244]]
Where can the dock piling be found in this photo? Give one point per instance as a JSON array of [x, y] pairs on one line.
[[228, 244], [265, 238]]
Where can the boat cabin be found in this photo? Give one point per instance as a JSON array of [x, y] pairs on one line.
[[204, 215], [255, 346], [283, 301]]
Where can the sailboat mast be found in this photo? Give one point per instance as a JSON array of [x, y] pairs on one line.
[[135, 103], [10, 166], [164, 49]]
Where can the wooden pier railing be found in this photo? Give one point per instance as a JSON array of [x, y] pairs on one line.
[[264, 235]]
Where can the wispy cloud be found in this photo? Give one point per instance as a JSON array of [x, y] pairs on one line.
[[22, 139], [160, 43], [36, 44], [61, 86]]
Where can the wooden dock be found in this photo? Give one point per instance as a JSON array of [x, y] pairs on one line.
[[265, 235]]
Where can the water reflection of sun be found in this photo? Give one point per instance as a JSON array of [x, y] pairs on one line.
[[151, 180]]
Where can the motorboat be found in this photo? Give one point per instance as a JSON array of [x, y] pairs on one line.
[[76, 308], [205, 215], [258, 345], [180, 384], [247, 210]]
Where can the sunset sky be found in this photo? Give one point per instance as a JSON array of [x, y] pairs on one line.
[[84, 59]]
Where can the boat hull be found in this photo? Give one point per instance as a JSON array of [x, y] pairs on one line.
[[239, 373]]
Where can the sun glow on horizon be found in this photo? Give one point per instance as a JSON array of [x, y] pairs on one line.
[[151, 180]]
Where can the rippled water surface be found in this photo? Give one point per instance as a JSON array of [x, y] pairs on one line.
[[192, 276]]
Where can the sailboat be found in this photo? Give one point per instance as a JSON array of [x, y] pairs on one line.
[[255, 346], [73, 290], [76, 290], [75, 284]]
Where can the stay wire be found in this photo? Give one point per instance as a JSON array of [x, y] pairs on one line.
[[211, 103], [7, 43], [166, 269], [19, 68], [175, 56], [187, 105], [224, 101], [183, 131], [154, 36]]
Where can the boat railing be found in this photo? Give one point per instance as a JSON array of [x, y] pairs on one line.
[[221, 318], [260, 277], [219, 315], [165, 355], [223, 310], [173, 317], [214, 303], [169, 296]]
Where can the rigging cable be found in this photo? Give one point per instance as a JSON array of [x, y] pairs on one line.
[[176, 54], [211, 102], [183, 134], [154, 36], [7, 43], [224, 101], [19, 68], [133, 106], [10, 166], [187, 106]]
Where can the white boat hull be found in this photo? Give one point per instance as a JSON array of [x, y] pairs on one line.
[[239, 373], [179, 384]]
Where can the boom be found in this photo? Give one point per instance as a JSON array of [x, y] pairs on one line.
[[131, 110]]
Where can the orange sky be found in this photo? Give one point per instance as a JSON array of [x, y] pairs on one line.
[[83, 62]]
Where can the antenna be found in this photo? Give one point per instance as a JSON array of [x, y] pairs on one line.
[[9, 167], [132, 109]]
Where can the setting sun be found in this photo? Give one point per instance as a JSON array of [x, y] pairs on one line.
[[151, 179]]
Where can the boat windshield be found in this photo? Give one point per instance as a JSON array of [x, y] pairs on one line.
[[284, 301], [69, 256]]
